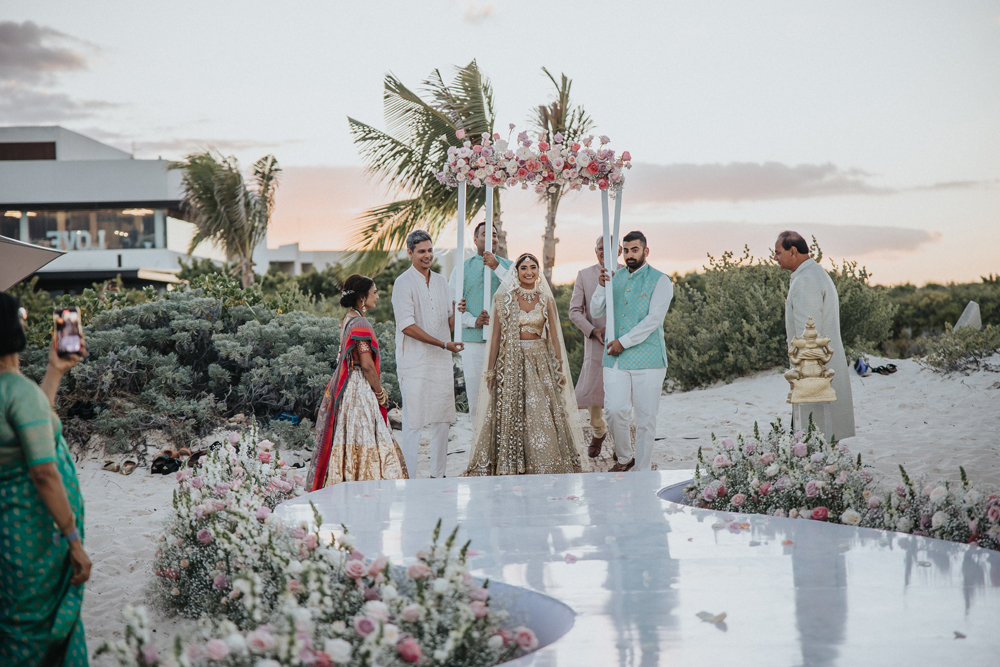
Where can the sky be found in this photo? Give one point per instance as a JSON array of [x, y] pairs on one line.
[[871, 126]]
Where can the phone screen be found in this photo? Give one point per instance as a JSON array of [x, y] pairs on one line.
[[69, 336]]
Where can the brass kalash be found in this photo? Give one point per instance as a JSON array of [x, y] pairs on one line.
[[810, 380]]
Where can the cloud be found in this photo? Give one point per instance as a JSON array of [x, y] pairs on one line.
[[184, 145], [752, 181], [25, 104], [30, 53], [475, 13]]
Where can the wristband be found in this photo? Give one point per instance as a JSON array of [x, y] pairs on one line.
[[70, 537]]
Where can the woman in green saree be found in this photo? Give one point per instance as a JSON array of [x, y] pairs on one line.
[[42, 562]]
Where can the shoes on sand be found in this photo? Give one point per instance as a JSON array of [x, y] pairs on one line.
[[594, 450], [618, 467]]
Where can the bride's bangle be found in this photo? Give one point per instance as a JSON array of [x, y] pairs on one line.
[[490, 374]]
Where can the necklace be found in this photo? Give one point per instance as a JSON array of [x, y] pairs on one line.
[[528, 295]]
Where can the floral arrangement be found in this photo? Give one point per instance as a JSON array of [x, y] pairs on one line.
[[801, 476], [543, 167], [273, 595]]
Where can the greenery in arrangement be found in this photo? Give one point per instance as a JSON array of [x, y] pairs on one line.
[[802, 476]]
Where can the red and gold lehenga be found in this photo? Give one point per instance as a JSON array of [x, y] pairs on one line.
[[353, 438]]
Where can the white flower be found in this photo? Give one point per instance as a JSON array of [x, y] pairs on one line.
[[338, 650], [440, 586], [390, 634], [938, 494], [850, 517], [772, 470], [440, 655], [294, 567], [236, 642], [377, 609], [389, 592], [972, 497], [268, 662], [904, 524], [939, 517], [495, 642]]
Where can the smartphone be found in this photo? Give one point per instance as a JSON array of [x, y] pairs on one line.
[[69, 333]]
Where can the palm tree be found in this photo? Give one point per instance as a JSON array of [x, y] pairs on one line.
[[409, 154], [224, 209], [559, 116]]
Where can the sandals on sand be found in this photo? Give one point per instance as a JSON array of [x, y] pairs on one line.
[[164, 465], [111, 466], [129, 466], [885, 370]]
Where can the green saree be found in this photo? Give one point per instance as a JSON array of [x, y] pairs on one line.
[[39, 609]]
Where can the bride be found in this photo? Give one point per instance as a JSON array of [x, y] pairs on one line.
[[528, 421]]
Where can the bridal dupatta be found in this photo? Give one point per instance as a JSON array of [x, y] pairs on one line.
[[356, 331]]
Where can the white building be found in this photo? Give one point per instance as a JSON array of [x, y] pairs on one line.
[[114, 215]]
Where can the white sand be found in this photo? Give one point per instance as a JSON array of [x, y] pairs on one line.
[[928, 422]]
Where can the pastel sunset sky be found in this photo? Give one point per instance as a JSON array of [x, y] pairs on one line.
[[872, 126]]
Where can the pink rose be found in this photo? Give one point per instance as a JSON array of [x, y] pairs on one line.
[[708, 493], [260, 640], [993, 514], [460, 134], [765, 489], [234, 438], [842, 477], [874, 502], [204, 536], [409, 650], [479, 593], [525, 638], [198, 482], [182, 475], [602, 184], [738, 499], [264, 457], [263, 512], [477, 149], [298, 532], [311, 541], [721, 491], [265, 445], [354, 569], [150, 654], [281, 463], [356, 555], [767, 458], [418, 571], [377, 565], [819, 514], [294, 586], [800, 449], [626, 156], [972, 526], [364, 625], [812, 489], [411, 613], [728, 443], [593, 168], [721, 461], [479, 609], [216, 649], [221, 582]]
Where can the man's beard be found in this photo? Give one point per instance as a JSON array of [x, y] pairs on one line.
[[634, 264]]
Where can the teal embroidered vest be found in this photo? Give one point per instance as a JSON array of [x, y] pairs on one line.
[[472, 290], [632, 293]]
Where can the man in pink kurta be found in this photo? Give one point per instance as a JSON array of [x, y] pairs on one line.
[[590, 385]]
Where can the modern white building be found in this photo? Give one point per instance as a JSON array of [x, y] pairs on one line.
[[114, 215]]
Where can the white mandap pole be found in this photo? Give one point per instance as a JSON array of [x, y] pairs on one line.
[[616, 238], [487, 271], [609, 263], [460, 249]]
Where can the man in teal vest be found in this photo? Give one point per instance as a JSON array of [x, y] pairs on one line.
[[477, 313], [635, 361]]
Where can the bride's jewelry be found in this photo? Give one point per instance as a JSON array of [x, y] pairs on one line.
[[528, 295]]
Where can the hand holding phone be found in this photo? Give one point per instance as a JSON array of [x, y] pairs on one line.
[[69, 331]]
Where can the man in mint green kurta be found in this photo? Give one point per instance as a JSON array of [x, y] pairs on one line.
[[477, 315], [635, 361]]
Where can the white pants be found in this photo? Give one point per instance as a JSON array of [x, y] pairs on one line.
[[472, 368], [439, 448], [637, 390]]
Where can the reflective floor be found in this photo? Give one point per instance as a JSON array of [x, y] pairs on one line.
[[638, 570]]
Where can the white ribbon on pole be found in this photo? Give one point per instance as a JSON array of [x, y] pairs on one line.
[[460, 249], [610, 255], [616, 238], [487, 271]]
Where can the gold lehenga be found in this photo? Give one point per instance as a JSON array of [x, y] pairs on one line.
[[528, 421], [354, 441]]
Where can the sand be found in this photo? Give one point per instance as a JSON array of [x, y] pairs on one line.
[[928, 422]]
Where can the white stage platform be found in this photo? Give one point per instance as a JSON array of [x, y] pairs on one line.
[[645, 567]]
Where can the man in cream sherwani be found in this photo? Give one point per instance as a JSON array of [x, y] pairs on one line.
[[424, 319], [811, 293], [635, 361], [590, 385]]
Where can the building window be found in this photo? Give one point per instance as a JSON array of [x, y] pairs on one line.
[[28, 150], [39, 226], [115, 229], [10, 227]]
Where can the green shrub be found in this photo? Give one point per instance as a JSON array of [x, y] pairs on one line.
[[963, 350]]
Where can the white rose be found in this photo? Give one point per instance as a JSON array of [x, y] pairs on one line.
[[850, 517], [236, 642], [755, 482], [377, 609], [939, 518], [338, 650], [294, 567], [440, 586], [904, 524], [390, 634], [389, 592], [346, 541], [495, 642], [938, 494], [582, 160], [772, 470], [973, 497]]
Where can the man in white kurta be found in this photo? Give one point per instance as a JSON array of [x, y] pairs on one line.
[[811, 293], [635, 360], [477, 312], [424, 318]]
